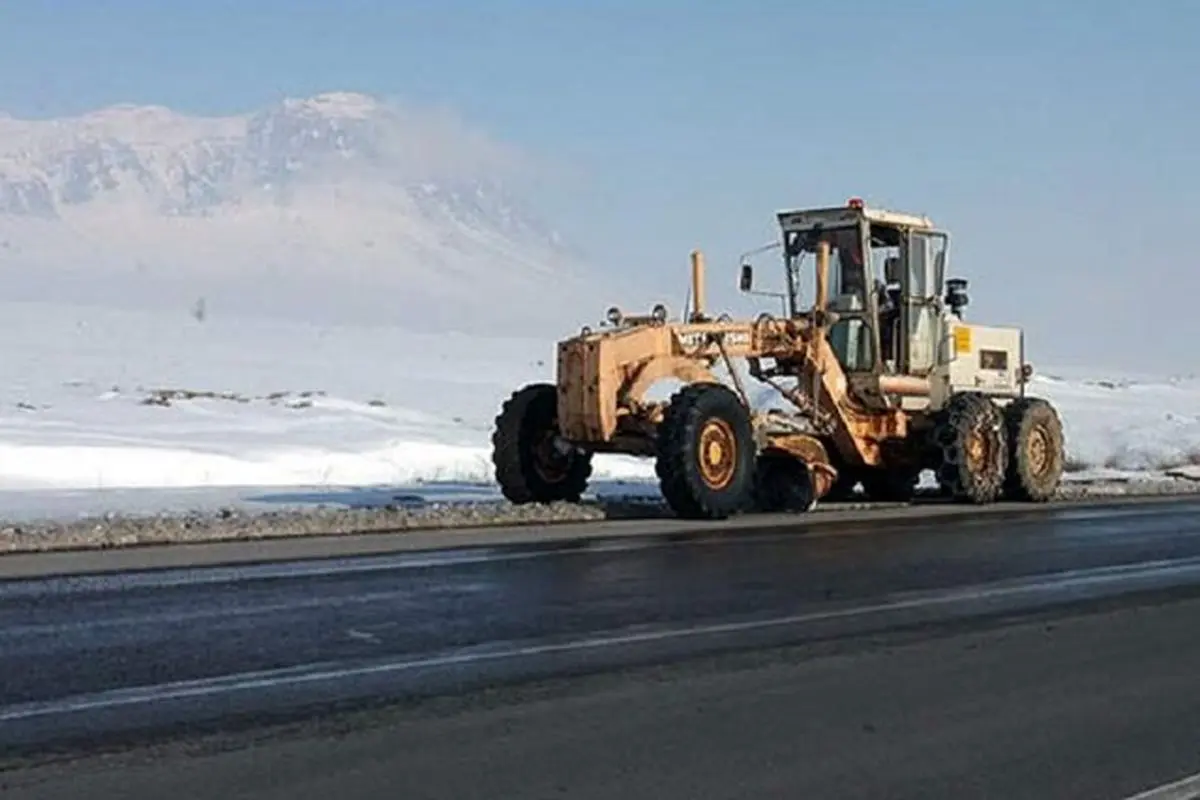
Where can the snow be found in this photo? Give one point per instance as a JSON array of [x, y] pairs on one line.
[[103, 408], [249, 403], [1121, 426], [305, 198], [340, 104]]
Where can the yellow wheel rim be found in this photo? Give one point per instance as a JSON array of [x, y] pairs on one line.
[[718, 453], [1038, 451], [977, 450]]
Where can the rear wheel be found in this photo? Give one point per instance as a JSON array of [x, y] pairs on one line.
[[706, 453], [973, 447], [531, 464], [1036, 457]]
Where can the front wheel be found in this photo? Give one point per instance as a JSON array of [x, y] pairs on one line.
[[706, 453], [531, 463]]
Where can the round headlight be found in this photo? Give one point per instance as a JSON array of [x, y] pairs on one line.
[[614, 315], [659, 313]]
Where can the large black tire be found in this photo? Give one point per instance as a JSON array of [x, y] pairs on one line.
[[1036, 457], [970, 433], [706, 453], [527, 465], [896, 485], [783, 483]]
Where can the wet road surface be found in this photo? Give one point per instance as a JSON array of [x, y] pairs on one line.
[[1098, 707], [92, 656]]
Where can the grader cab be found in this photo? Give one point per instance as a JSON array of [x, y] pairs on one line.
[[882, 378]]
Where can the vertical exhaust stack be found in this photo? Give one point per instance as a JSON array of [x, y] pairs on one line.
[[697, 286]]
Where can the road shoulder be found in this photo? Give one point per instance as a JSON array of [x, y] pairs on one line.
[[280, 546]]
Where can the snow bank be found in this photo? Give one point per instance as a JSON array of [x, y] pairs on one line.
[[1116, 425], [103, 399]]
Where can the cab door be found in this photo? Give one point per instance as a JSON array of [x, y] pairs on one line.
[[923, 259]]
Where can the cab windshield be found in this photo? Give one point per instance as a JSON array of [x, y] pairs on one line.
[[851, 337], [847, 273]]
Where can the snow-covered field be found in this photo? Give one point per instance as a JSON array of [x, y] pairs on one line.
[[107, 410], [104, 409]]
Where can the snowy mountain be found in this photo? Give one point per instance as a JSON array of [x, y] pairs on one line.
[[337, 205]]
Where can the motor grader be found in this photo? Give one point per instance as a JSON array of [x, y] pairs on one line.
[[879, 375]]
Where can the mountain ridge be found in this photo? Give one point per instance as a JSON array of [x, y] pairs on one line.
[[332, 187]]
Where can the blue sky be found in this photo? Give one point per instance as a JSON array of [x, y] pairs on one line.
[[1057, 141]]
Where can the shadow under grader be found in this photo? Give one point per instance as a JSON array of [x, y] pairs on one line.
[[618, 501], [368, 497], [615, 500]]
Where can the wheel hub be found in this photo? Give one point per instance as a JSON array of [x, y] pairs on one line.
[[977, 449], [717, 453], [1038, 451], [549, 462]]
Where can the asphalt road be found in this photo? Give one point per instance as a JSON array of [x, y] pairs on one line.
[[1096, 706]]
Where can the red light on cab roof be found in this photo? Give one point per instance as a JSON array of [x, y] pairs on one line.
[[855, 202]]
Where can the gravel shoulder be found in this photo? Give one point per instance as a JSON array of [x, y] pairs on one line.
[[117, 531]]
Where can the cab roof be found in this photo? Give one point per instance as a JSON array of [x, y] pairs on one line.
[[853, 211]]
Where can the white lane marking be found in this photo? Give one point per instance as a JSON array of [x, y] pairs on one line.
[[1184, 789], [362, 636], [334, 671]]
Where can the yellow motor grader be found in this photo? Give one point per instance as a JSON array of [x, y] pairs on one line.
[[880, 375]]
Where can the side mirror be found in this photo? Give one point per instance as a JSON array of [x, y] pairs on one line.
[[956, 296], [747, 278]]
